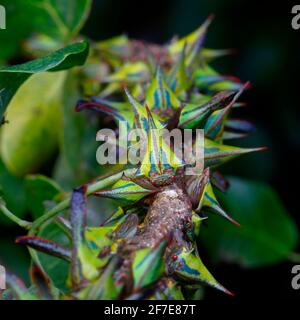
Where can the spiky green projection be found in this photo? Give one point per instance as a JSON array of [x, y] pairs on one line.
[[147, 249]]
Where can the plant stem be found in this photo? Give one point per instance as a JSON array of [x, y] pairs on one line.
[[93, 187], [23, 224], [35, 258], [48, 215], [14, 218]]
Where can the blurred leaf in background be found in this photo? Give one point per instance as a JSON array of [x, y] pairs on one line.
[[31, 135], [267, 234], [11, 78], [77, 162], [49, 23], [60, 19], [57, 269], [35, 28], [39, 189], [13, 193], [13, 256]]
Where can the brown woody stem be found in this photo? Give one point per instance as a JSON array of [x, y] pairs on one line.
[[169, 212]]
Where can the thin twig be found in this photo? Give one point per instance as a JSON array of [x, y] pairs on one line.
[[92, 188], [14, 218]]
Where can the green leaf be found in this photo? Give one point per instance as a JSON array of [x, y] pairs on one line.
[[205, 197], [125, 192], [159, 161], [177, 78], [14, 257], [105, 287], [59, 20], [38, 190], [114, 48], [148, 266], [140, 114], [267, 233], [193, 42], [214, 126], [12, 192], [79, 157], [208, 79], [100, 240], [130, 73], [189, 268], [56, 268], [115, 218], [11, 78], [216, 154], [159, 96], [192, 115], [31, 136]]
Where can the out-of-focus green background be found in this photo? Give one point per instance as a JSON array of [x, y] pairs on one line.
[[267, 52]]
